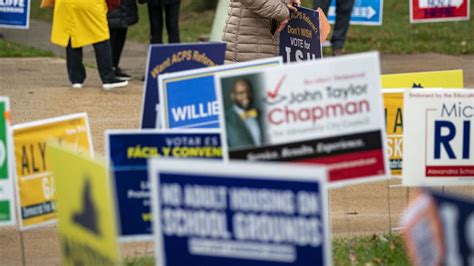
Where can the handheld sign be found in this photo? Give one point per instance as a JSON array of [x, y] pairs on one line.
[[7, 212], [86, 214], [364, 12], [327, 111], [189, 97], [15, 14], [300, 39], [36, 199], [239, 214], [128, 151], [438, 137], [173, 58], [439, 229], [439, 11]]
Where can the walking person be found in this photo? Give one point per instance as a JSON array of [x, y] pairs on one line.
[[170, 9], [343, 18], [77, 23], [119, 20], [252, 29]]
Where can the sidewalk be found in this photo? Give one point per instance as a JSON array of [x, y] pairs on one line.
[[39, 34]]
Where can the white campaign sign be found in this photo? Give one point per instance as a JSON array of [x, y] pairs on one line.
[[326, 111], [438, 137]]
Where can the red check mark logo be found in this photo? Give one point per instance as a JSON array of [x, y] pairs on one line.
[[273, 94]]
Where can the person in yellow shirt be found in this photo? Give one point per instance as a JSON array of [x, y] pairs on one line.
[[77, 23]]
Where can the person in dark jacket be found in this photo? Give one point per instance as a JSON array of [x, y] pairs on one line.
[[155, 14], [119, 21]]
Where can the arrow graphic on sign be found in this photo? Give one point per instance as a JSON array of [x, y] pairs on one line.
[[440, 3], [367, 12]]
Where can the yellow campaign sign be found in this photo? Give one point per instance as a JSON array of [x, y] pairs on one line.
[[432, 79], [35, 182], [393, 102], [86, 212]]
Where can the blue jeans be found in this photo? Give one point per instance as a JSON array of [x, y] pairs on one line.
[[103, 56], [343, 17]]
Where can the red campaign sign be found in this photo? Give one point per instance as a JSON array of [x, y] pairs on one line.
[[438, 10]]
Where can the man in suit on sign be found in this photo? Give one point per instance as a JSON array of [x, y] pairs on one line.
[[242, 118]]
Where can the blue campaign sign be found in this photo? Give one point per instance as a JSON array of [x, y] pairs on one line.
[[365, 12], [188, 98], [128, 152], [241, 214], [173, 58], [457, 218], [15, 14], [300, 39]]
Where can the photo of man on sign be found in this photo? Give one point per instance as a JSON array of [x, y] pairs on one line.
[[242, 115]]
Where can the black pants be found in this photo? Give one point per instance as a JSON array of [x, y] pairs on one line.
[[103, 56], [118, 36], [155, 14], [343, 17]]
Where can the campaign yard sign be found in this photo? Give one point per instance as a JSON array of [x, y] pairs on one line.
[[439, 10], [393, 103], [189, 97], [128, 151], [439, 229], [239, 214], [438, 137], [36, 200], [7, 212], [87, 224], [432, 79], [167, 58], [325, 112], [300, 39], [15, 14], [364, 12]]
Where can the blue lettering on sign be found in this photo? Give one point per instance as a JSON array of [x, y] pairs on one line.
[[444, 140]]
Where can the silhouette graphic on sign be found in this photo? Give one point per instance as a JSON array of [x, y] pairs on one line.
[[87, 217], [417, 86]]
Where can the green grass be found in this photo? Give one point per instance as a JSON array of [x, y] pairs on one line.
[[370, 250], [396, 36], [11, 49], [366, 251]]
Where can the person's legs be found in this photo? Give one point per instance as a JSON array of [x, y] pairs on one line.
[[155, 15], [75, 69], [172, 22], [343, 17], [117, 42], [103, 56], [323, 4]]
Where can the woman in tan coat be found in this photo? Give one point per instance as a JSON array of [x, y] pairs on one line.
[[252, 28]]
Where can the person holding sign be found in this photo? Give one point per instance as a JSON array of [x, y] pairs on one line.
[[252, 28], [242, 118]]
